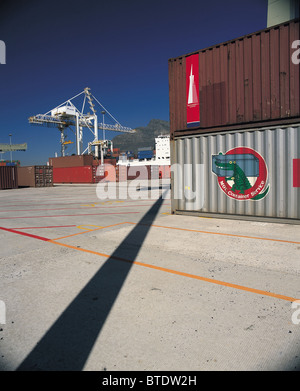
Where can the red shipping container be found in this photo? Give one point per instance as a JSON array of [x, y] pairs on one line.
[[80, 174], [248, 81], [107, 173], [110, 161], [71, 161]]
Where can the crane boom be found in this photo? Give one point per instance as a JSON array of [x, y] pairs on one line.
[[48, 120], [13, 147], [67, 114]]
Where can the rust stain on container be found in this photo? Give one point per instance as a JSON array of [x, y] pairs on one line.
[[248, 80]]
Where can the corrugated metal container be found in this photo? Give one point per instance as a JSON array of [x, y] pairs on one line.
[[142, 172], [81, 174], [210, 174], [106, 172], [8, 177], [121, 173], [164, 172], [9, 163], [139, 172], [246, 82], [71, 161], [35, 176], [112, 161]]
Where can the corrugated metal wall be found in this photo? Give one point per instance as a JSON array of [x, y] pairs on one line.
[[192, 172], [35, 176], [71, 161], [8, 177], [246, 80], [80, 174]]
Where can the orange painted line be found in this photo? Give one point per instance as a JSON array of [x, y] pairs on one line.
[[89, 230], [178, 273], [223, 234], [210, 280], [88, 225]]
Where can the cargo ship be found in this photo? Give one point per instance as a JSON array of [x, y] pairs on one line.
[[117, 166], [146, 156], [150, 164]]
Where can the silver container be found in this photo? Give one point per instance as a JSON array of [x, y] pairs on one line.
[[273, 193]]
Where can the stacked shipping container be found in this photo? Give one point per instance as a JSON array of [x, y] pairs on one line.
[[8, 177], [234, 100], [82, 169], [35, 176], [244, 82], [9, 163]]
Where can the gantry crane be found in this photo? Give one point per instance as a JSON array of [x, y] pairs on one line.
[[13, 147], [67, 114]]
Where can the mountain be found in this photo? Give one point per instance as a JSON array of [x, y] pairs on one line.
[[143, 137]]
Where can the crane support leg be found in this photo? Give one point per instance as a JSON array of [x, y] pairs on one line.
[[78, 146]]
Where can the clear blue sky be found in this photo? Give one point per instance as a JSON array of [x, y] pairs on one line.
[[120, 49]]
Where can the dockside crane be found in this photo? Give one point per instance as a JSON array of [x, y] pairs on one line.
[[67, 114], [12, 147]]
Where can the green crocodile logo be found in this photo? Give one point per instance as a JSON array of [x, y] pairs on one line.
[[234, 169]]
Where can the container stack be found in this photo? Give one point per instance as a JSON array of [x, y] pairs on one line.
[[229, 102], [8, 177], [116, 152], [72, 169], [7, 163], [82, 169], [35, 176]]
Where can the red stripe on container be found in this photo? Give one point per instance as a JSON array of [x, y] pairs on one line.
[[296, 172]]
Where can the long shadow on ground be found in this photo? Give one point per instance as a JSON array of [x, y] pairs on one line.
[[67, 344]]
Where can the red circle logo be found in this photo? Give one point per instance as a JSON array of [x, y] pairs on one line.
[[241, 163]]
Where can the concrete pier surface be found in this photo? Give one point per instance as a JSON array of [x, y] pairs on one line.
[[120, 284]]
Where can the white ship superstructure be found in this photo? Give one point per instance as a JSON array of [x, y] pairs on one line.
[[161, 157]]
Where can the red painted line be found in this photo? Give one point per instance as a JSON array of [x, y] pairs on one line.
[[75, 203], [175, 272], [58, 203], [50, 226], [88, 207], [24, 234], [33, 210], [83, 214], [50, 202], [46, 199]]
